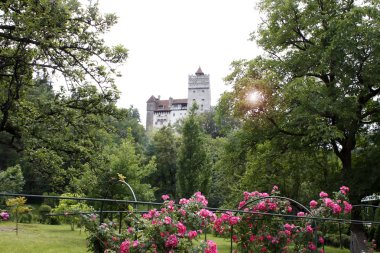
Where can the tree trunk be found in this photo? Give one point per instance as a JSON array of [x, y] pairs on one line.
[[358, 236]]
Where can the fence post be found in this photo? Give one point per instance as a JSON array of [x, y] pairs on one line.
[[232, 233], [120, 221]]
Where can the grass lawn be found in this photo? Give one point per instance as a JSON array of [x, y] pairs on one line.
[[38, 238]]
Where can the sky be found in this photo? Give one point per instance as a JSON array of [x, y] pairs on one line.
[[169, 39]]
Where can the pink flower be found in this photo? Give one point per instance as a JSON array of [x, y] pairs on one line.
[[347, 207], [165, 197], [171, 242], [135, 243], [272, 206], [344, 189], [233, 220], [288, 226], [312, 246], [124, 247], [336, 208], [309, 229], [241, 204], [328, 202], [313, 204], [181, 228], [167, 220], [300, 214], [323, 194], [211, 247], [289, 209], [204, 213], [261, 206], [5, 216], [192, 234], [321, 240], [183, 201]]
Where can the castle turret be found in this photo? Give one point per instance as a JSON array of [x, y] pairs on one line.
[[199, 91], [151, 106]]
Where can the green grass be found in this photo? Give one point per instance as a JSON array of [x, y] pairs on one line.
[[38, 238]]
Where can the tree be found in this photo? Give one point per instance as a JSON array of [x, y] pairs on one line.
[[11, 180], [17, 207], [55, 128], [318, 80], [193, 173], [123, 159], [164, 148]]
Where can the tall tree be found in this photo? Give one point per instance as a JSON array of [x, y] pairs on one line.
[[65, 40], [164, 148], [56, 130], [318, 81], [193, 172]]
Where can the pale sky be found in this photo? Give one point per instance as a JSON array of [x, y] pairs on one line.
[[169, 39]]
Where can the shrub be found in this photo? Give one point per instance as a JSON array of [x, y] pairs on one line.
[[43, 210]]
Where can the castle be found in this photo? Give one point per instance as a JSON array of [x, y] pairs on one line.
[[164, 112]]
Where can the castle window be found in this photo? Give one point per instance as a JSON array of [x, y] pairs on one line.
[[173, 114], [201, 107], [193, 91], [203, 90], [203, 99]]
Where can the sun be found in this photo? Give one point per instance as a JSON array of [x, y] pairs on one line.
[[254, 97]]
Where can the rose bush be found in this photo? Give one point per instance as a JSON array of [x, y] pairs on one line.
[[173, 228], [264, 225]]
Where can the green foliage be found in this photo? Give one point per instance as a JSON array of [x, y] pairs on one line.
[[11, 180], [164, 148], [125, 160], [318, 89], [71, 209], [57, 133], [18, 207], [43, 210], [193, 173]]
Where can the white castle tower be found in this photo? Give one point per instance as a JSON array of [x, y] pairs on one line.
[[199, 91]]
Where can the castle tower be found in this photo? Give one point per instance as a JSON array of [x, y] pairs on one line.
[[151, 106], [199, 91]]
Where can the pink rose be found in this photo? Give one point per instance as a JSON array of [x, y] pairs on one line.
[[313, 204], [167, 220], [300, 214], [323, 194], [344, 189], [171, 242], [347, 207], [211, 247], [181, 228], [165, 197], [192, 234], [124, 247]]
